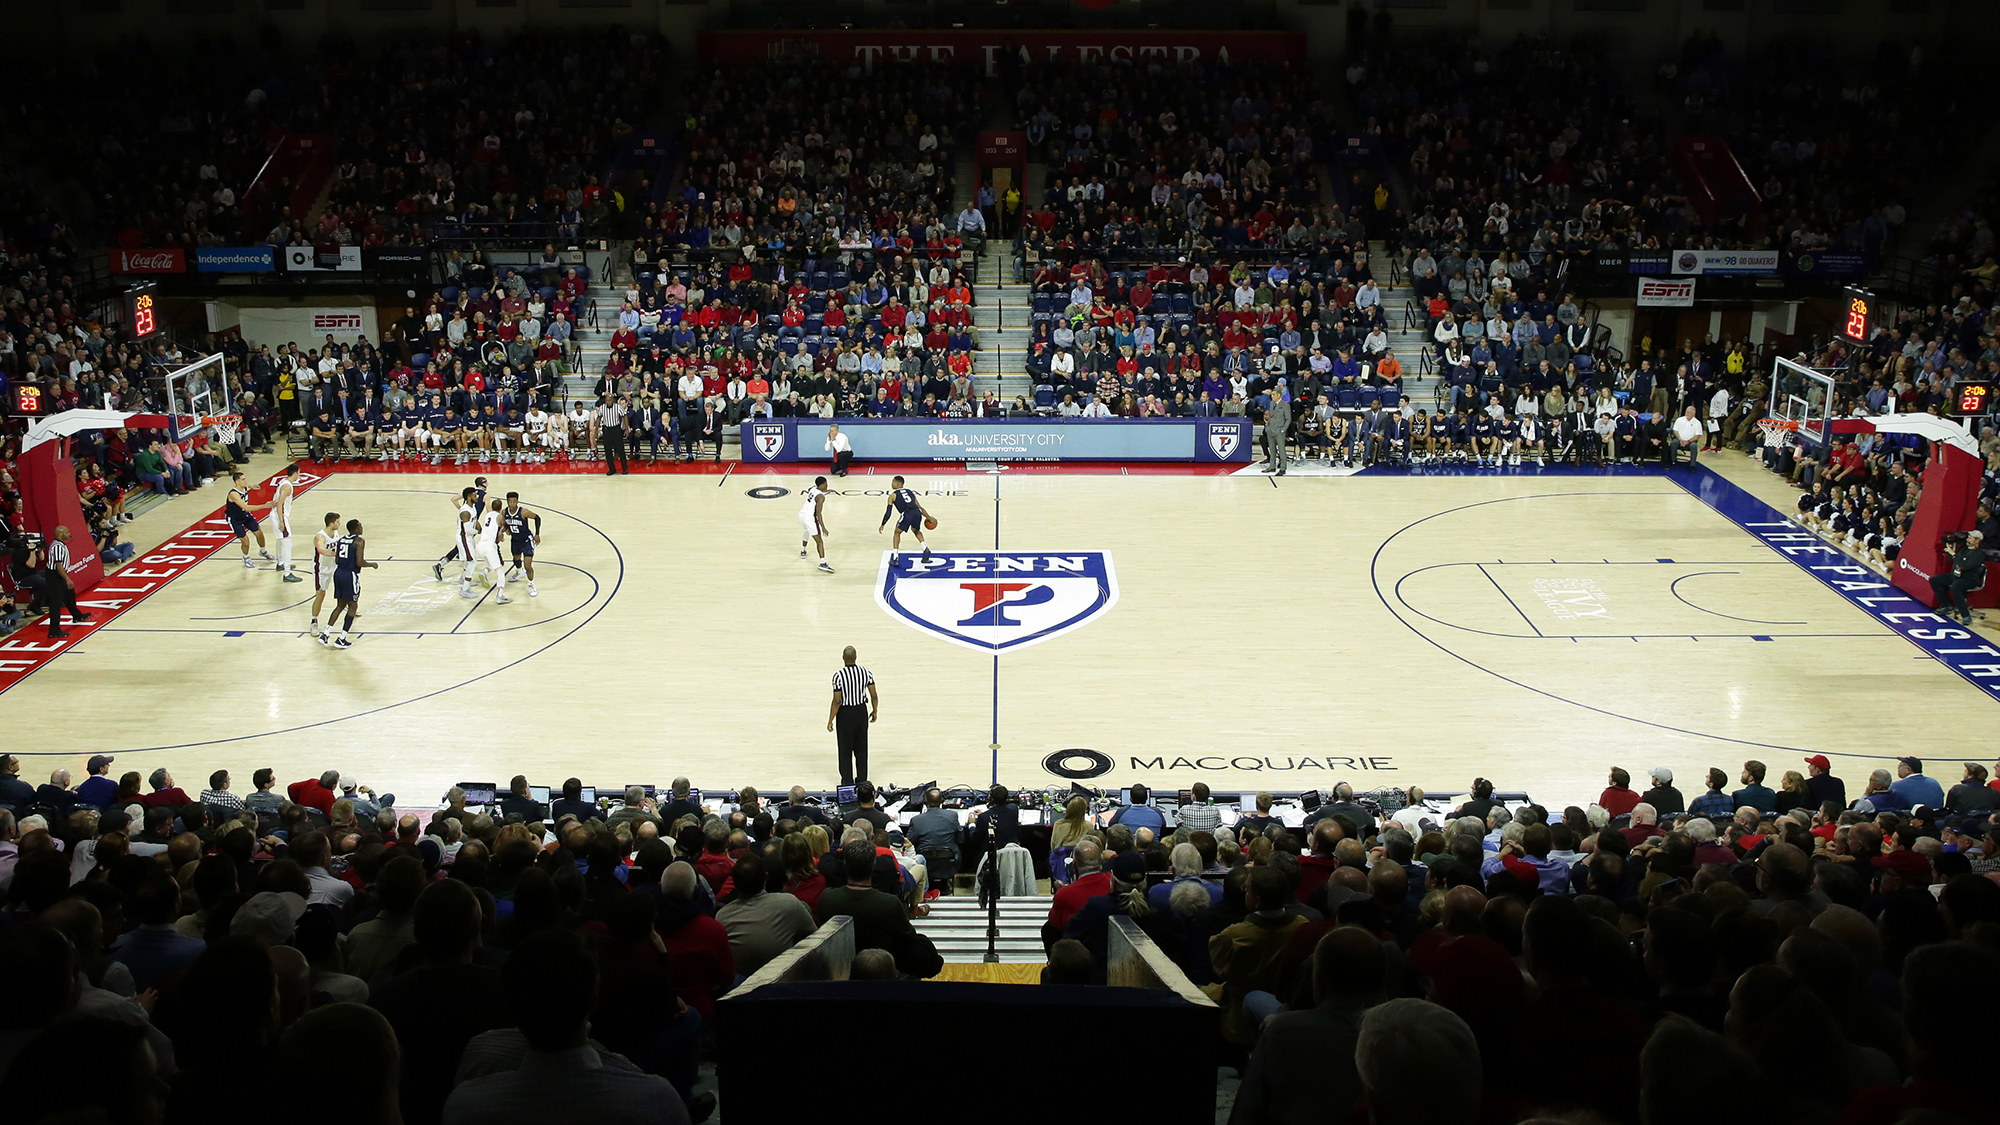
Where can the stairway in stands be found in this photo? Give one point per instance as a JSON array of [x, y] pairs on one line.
[[957, 926], [1409, 343], [1001, 308], [596, 343]]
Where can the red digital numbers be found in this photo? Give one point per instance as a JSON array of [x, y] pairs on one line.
[[1973, 397], [28, 400], [1857, 318], [143, 322]]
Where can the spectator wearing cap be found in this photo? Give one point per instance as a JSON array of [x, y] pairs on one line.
[[1665, 799], [1903, 869], [367, 806], [1972, 795], [1821, 783], [98, 788], [316, 792], [271, 916], [165, 794], [1618, 797], [1914, 787], [15, 794]]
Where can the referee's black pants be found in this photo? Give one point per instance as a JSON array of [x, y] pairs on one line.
[[59, 594], [850, 727], [614, 452]]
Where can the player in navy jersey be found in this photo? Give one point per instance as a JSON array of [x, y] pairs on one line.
[[350, 554], [1509, 433], [910, 516], [1485, 439], [521, 539]]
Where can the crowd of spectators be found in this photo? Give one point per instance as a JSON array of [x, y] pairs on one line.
[[177, 908], [809, 161], [581, 946], [435, 136], [1150, 162]]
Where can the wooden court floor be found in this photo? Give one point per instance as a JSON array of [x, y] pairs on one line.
[[1378, 630]]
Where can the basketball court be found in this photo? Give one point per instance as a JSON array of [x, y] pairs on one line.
[[1533, 627]]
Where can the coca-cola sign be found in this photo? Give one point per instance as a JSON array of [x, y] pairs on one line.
[[168, 260], [987, 49]]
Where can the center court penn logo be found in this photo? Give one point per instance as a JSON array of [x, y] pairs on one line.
[[993, 601]]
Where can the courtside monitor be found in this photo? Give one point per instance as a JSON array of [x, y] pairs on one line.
[[538, 793], [844, 794], [589, 793], [479, 792], [1309, 800]]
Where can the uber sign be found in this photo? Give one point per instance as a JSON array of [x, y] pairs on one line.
[[995, 601]]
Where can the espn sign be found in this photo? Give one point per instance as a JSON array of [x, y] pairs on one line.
[[1660, 292], [336, 322], [168, 260]]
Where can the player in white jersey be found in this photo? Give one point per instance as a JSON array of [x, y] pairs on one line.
[[538, 433], [580, 420], [487, 549], [812, 521], [281, 507], [323, 544], [466, 506]]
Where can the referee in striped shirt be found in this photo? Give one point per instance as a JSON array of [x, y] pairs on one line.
[[851, 713], [58, 588]]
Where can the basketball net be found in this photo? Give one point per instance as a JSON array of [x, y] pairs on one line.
[[225, 428], [1776, 430]]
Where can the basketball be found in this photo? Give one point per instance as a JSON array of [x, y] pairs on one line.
[[930, 523]]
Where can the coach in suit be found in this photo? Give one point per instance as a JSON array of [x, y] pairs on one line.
[[1277, 423], [711, 427]]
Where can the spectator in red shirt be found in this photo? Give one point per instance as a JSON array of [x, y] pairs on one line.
[[165, 794], [316, 792], [714, 863], [1091, 881], [696, 945], [1618, 799]]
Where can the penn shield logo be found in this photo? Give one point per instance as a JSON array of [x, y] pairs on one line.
[[768, 439], [993, 601], [1223, 442]]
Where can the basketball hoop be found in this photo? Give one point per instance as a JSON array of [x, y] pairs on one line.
[[1775, 430], [225, 427]]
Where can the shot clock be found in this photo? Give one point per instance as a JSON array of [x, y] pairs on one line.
[[1858, 314], [142, 314], [1971, 399]]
